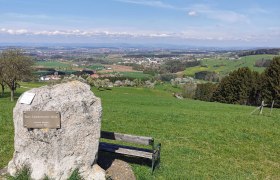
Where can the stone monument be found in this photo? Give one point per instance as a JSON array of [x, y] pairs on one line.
[[57, 130]]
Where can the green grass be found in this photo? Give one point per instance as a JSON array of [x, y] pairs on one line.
[[6, 123], [200, 140], [96, 67], [53, 64], [135, 75], [6, 130], [224, 66], [23, 174]]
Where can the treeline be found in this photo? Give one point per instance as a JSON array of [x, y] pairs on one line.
[[150, 55], [275, 51], [98, 60], [174, 66], [244, 86]]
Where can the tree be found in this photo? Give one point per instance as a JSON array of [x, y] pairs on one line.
[[2, 84], [174, 66], [271, 88], [15, 67], [239, 87]]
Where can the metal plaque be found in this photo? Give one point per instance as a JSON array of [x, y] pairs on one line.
[[41, 119]]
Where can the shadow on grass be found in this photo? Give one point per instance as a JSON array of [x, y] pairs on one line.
[[105, 160], [8, 95]]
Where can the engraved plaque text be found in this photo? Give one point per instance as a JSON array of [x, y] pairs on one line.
[[41, 119]]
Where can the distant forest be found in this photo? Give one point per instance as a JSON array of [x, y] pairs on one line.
[[275, 51]]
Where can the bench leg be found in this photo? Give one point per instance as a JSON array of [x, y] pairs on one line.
[[156, 158], [153, 163]]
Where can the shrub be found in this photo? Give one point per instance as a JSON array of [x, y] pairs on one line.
[[167, 77], [262, 63], [179, 82], [207, 76], [204, 92], [189, 90]]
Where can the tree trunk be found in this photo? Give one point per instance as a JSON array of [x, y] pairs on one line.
[[12, 95], [3, 90], [13, 88]]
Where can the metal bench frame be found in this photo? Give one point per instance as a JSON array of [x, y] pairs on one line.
[[152, 154]]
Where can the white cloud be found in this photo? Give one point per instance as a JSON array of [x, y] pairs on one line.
[[193, 33], [192, 13], [13, 31]]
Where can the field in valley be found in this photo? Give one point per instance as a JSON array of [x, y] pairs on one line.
[[224, 66], [200, 140], [53, 64]]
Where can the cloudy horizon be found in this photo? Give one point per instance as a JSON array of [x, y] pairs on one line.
[[205, 23]]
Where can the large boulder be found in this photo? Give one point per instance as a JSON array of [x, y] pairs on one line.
[[58, 152]]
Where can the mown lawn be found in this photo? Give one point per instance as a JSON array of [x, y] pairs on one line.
[[200, 140]]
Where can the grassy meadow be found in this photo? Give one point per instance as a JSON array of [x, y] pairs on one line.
[[53, 64], [200, 140], [224, 66], [135, 75]]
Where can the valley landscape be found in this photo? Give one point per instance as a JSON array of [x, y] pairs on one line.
[[139, 89]]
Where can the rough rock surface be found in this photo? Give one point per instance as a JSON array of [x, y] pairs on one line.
[[116, 169], [3, 172], [98, 173], [58, 152], [120, 170]]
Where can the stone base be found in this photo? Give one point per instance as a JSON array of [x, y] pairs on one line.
[[116, 169]]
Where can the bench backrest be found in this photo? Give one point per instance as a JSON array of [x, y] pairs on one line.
[[127, 138]]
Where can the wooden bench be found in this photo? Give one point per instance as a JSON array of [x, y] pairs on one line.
[[153, 153]]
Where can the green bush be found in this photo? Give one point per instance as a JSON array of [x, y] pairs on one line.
[[167, 77], [189, 90], [207, 76], [204, 92]]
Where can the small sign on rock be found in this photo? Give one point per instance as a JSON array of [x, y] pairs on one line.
[[41, 119]]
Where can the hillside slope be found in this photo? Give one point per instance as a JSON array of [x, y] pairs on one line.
[[199, 139], [225, 66]]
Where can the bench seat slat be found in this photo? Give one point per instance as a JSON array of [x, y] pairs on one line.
[[126, 150], [127, 138]]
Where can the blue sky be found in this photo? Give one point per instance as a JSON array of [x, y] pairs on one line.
[[189, 22]]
